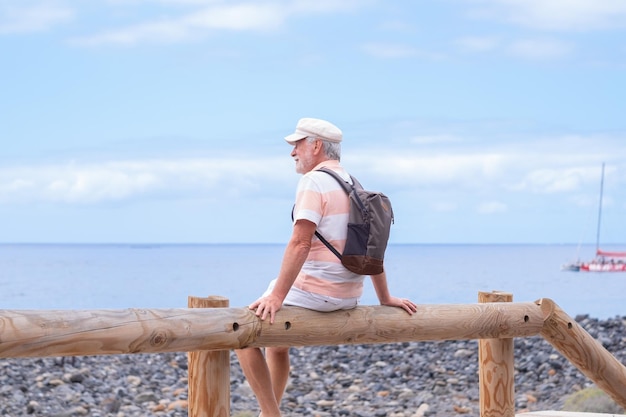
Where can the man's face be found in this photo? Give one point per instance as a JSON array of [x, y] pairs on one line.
[[304, 153]]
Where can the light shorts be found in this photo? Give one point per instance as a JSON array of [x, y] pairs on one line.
[[300, 298]]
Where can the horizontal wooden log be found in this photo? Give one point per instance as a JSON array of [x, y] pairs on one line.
[[39, 333]]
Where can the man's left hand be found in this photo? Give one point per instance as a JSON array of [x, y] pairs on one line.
[[406, 304]]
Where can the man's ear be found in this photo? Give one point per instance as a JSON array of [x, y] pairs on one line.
[[319, 146]]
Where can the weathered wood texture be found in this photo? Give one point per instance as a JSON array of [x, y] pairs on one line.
[[496, 368], [39, 333], [209, 372], [583, 351]]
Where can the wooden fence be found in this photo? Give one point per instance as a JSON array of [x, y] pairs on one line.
[[210, 329]]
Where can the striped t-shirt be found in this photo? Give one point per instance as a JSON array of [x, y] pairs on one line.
[[321, 200]]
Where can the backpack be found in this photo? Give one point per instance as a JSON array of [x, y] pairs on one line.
[[369, 223]]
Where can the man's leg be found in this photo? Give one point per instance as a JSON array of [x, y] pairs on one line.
[[258, 375], [278, 364]]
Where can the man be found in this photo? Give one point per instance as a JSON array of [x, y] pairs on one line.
[[310, 276]]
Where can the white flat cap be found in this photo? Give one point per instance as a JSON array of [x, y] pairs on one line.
[[315, 127]]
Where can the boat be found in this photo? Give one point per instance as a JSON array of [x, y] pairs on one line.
[[604, 261]]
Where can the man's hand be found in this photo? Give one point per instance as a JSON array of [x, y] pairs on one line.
[[406, 304], [386, 299], [269, 304]]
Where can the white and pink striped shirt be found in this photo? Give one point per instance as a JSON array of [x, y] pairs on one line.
[[321, 200]]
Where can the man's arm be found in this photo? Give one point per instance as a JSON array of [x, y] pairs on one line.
[[296, 253], [386, 299]]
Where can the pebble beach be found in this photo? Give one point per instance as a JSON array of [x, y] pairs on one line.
[[395, 380]]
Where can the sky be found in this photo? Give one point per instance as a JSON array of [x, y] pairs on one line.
[[162, 121]]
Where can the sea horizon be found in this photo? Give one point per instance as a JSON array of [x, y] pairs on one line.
[[140, 243], [163, 275]]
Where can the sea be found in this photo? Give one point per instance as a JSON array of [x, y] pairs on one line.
[[120, 276]]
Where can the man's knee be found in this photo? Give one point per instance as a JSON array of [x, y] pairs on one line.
[[246, 353], [278, 350]]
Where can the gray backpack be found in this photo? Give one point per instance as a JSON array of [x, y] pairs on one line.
[[369, 223]]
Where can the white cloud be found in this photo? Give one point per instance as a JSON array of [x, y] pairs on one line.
[[531, 49], [564, 166], [32, 18], [123, 180], [435, 139], [253, 16], [540, 49], [547, 181], [451, 169], [559, 165], [324, 6], [389, 50], [569, 15], [397, 26], [238, 17], [492, 207], [478, 43]]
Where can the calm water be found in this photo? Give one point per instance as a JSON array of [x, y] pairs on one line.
[[159, 276]]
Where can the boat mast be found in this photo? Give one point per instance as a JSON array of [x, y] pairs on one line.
[[600, 210]]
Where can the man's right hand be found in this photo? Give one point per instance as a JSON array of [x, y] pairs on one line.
[[269, 304]]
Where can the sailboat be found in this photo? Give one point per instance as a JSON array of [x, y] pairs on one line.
[[605, 261]]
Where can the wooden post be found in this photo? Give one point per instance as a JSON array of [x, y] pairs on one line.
[[583, 351], [209, 372], [496, 368]]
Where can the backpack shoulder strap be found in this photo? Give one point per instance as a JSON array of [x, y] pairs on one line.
[[328, 245], [347, 187], [321, 238]]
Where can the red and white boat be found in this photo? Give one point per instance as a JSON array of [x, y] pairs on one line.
[[605, 261]]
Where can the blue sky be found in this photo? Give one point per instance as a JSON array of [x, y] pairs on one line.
[[485, 121]]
